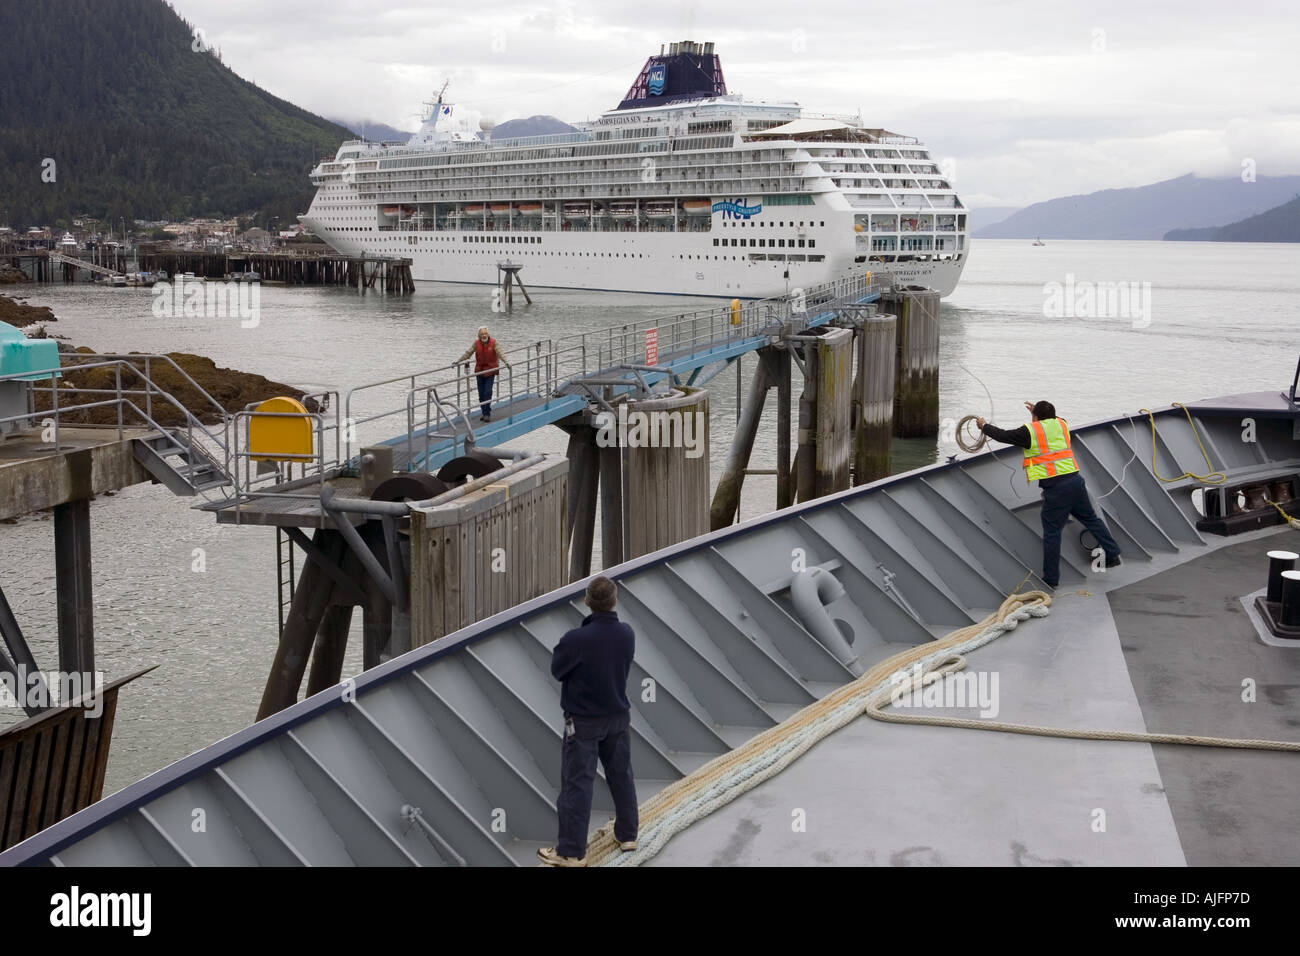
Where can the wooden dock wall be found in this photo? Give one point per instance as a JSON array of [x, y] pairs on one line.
[[53, 765], [489, 550]]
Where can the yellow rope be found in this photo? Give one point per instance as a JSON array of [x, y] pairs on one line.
[[1213, 478], [1285, 517]]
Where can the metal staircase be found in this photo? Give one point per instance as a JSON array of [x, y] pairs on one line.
[[177, 461]]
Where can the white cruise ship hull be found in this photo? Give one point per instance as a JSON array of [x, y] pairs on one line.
[[671, 263]]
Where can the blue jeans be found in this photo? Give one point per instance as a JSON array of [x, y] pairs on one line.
[[485, 393], [1063, 497], [585, 739]]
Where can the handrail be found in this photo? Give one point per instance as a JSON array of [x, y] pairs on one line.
[[546, 367]]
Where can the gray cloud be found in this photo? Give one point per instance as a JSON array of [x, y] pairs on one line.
[[1029, 100]]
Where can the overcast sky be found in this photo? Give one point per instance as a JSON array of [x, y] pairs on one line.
[[1028, 100]]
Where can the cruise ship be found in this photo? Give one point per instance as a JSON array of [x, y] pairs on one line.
[[682, 188]]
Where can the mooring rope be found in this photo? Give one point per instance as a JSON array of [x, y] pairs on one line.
[[964, 441], [729, 775]]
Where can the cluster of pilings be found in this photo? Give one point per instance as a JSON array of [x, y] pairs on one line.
[[868, 377], [392, 275]]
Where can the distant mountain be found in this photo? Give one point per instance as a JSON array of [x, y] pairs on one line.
[[1279, 224], [532, 126], [374, 132], [992, 215], [121, 111], [1145, 212]]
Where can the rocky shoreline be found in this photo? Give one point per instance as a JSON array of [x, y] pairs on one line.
[[20, 315], [232, 389]]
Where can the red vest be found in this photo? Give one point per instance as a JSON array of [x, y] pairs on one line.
[[485, 355]]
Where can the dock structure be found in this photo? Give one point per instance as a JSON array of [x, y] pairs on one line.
[[391, 275], [46, 266]]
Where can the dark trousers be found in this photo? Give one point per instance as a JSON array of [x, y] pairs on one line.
[[485, 393], [585, 739], [1064, 497]]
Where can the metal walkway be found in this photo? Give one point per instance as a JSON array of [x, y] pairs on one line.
[[432, 416], [449, 755]]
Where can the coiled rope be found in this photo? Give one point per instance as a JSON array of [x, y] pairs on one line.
[[964, 441], [729, 775]]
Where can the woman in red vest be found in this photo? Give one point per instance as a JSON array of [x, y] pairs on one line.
[[486, 354]]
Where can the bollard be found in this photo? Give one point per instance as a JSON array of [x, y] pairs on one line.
[[1290, 599], [1279, 561]]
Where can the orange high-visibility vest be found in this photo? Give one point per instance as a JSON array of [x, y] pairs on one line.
[[1049, 454]]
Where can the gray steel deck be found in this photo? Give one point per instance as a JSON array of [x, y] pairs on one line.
[[468, 729]]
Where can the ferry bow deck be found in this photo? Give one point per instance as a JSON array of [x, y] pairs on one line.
[[467, 730]]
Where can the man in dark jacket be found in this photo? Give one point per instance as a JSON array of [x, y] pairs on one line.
[[1049, 460], [592, 663]]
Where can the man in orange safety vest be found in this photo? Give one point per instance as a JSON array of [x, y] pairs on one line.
[[1049, 460]]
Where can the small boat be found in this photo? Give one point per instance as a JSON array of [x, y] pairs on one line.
[[697, 207], [1038, 242], [501, 209], [577, 210], [189, 277], [530, 209], [660, 210], [474, 209], [623, 210], [117, 281], [388, 210]]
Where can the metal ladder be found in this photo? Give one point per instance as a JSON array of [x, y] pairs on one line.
[[285, 573]]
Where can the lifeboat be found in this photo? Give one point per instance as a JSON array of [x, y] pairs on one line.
[[577, 210], [659, 210], [501, 209], [623, 210], [388, 210], [530, 209], [697, 207], [474, 209]]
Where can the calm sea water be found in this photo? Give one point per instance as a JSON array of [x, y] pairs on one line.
[[1222, 319]]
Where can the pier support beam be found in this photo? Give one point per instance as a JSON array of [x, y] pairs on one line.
[[584, 485], [310, 598], [73, 586], [873, 399], [780, 359], [611, 506], [916, 370], [726, 499], [331, 648]]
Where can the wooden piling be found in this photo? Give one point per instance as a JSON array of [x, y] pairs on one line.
[[667, 471], [916, 369], [873, 399], [822, 461]]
